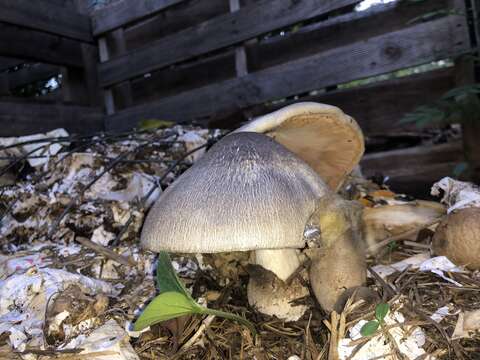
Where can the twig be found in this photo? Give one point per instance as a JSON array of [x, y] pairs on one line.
[[205, 323], [333, 348], [102, 250], [388, 289], [402, 235]]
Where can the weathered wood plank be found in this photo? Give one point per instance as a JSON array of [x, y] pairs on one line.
[[22, 118], [29, 75], [127, 12], [170, 81], [172, 20], [414, 170], [224, 30], [9, 62], [415, 45], [334, 32], [379, 107], [39, 46], [338, 31], [45, 16]]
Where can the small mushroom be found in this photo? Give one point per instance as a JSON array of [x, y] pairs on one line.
[[457, 237], [246, 193], [330, 141], [338, 266]]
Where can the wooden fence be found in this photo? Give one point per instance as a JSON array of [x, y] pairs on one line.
[[219, 62], [46, 38]]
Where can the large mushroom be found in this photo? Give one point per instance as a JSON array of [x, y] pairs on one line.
[[252, 193], [246, 193]]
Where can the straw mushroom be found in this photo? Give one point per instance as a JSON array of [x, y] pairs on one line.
[[456, 237], [330, 141], [338, 265], [246, 193]]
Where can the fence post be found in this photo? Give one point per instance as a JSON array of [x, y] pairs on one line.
[[123, 91], [104, 55], [465, 75], [81, 85]]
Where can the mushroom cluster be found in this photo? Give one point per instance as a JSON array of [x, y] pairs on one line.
[[270, 188]]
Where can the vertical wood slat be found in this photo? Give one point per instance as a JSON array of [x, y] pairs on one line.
[[465, 75], [124, 89], [80, 85], [241, 68], [107, 93]]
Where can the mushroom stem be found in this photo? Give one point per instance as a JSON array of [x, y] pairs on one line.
[[338, 266], [267, 290], [282, 262], [335, 272]]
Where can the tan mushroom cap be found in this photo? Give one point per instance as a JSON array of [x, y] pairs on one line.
[[247, 192], [330, 141]]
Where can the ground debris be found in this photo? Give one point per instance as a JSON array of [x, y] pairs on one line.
[[73, 278]]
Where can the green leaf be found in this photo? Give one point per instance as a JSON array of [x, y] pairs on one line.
[[381, 310], [369, 328], [151, 124], [175, 300], [164, 307], [167, 278]]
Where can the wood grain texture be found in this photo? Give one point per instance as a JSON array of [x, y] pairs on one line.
[[187, 76], [127, 12], [219, 32], [23, 118], [415, 45], [414, 170], [39, 46], [331, 33], [379, 107], [45, 16], [338, 31], [186, 14]]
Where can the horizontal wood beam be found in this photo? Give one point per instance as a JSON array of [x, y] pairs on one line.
[[172, 20], [380, 106], [414, 170], [23, 118], [29, 75], [219, 32], [339, 30], [39, 46], [42, 15], [418, 44], [325, 35], [125, 13], [9, 62]]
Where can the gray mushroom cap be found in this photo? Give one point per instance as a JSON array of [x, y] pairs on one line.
[[247, 192]]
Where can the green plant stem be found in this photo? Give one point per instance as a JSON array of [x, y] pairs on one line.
[[230, 316]]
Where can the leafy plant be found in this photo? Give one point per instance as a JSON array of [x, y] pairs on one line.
[[458, 104], [381, 310], [175, 301]]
